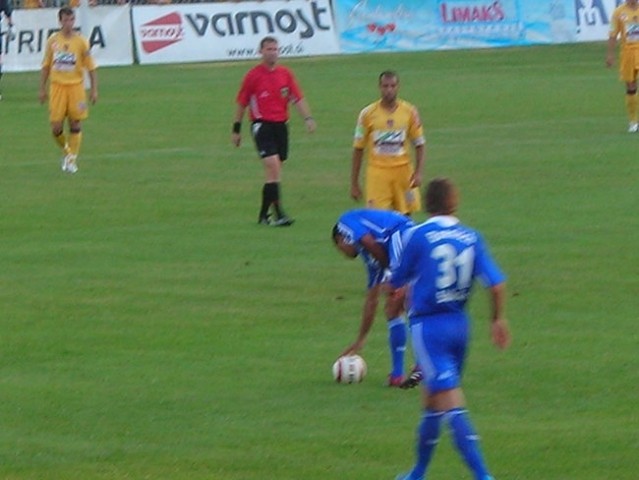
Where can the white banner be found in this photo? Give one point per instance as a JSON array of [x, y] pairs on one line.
[[107, 28], [593, 18], [232, 31]]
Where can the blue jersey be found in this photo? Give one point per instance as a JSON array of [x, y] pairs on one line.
[[439, 263], [385, 226]]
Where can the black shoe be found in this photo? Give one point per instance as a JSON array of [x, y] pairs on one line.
[[283, 221], [415, 377]]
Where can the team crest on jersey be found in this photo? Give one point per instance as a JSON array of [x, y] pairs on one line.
[[284, 92]]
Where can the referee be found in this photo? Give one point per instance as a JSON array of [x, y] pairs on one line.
[[266, 90]]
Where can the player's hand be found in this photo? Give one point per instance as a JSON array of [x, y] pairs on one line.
[[415, 180], [610, 60], [42, 96], [310, 123], [93, 96], [236, 139], [500, 333], [353, 349]]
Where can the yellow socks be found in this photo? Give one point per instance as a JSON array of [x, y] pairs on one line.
[[631, 107], [75, 139], [61, 141]]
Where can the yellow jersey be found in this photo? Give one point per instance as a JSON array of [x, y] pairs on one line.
[[67, 58], [624, 24], [388, 135]]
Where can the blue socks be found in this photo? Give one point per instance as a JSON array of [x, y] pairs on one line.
[[464, 437], [427, 440], [397, 343], [467, 442]]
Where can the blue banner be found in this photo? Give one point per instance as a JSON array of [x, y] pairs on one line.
[[404, 25]]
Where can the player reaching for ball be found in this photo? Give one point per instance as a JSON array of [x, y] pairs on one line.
[[375, 236], [440, 260]]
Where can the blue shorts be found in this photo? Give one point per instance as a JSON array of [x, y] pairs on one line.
[[440, 343]]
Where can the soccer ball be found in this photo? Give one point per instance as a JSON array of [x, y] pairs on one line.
[[349, 369]]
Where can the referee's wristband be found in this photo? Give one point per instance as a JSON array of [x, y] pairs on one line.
[[237, 126]]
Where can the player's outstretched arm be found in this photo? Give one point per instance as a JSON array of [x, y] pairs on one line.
[[368, 316]]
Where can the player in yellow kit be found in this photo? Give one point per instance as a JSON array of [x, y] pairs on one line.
[[624, 26], [388, 130], [67, 56]]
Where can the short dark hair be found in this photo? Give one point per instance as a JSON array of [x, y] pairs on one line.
[[64, 12], [439, 197], [266, 40], [336, 233], [388, 74]]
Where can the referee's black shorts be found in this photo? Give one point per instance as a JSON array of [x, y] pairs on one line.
[[271, 138]]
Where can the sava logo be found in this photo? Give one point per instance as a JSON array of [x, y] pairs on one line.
[[161, 32]]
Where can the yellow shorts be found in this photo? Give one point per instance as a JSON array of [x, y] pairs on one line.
[[67, 101], [629, 64], [389, 189]]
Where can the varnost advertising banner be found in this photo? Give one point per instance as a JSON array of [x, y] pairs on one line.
[[232, 31], [403, 25], [108, 29]]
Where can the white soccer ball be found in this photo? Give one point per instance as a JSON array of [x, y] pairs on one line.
[[349, 369]]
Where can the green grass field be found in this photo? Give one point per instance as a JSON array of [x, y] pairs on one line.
[[151, 330]]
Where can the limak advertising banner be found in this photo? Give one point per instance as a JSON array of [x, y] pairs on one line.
[[232, 31], [401, 25], [107, 28]]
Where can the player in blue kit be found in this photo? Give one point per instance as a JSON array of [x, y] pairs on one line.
[[374, 236], [441, 258]]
